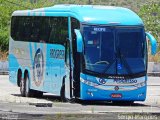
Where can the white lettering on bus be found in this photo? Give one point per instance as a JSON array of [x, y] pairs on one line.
[[100, 29], [125, 81]]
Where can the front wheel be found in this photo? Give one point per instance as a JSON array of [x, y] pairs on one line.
[[63, 96]]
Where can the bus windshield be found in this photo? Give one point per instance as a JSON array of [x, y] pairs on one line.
[[114, 50]]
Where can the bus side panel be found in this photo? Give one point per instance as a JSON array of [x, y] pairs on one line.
[[13, 63], [13, 68], [44, 63], [47, 67], [55, 68], [18, 59], [37, 55]]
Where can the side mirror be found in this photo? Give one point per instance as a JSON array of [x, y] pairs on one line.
[[153, 43], [79, 41]]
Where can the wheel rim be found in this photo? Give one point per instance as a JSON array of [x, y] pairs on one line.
[[22, 86]]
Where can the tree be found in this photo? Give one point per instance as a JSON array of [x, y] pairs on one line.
[[7, 7], [150, 13]]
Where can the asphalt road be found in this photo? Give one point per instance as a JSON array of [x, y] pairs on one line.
[[13, 106]]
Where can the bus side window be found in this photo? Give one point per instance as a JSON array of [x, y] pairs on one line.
[[26, 28], [44, 30], [58, 30], [20, 29], [14, 27]]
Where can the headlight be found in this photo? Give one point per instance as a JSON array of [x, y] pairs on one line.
[[140, 84], [89, 82]]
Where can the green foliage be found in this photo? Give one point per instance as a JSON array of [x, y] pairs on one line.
[[7, 7], [150, 14], [4, 40]]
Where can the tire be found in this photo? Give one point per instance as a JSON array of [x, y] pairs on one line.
[[22, 87], [28, 91], [63, 97]]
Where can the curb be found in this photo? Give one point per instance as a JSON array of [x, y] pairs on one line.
[[40, 104], [4, 73], [154, 74]]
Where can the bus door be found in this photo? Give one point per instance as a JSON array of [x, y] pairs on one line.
[[68, 71]]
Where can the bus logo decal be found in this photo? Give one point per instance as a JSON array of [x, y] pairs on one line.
[[57, 54], [102, 81], [38, 67]]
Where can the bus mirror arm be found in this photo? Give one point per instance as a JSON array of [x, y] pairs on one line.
[[79, 41], [153, 43]]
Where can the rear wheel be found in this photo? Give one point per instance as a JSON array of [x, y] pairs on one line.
[[28, 91], [22, 87]]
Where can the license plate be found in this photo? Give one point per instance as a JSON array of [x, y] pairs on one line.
[[115, 95]]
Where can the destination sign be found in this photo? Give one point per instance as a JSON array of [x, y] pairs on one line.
[[100, 29]]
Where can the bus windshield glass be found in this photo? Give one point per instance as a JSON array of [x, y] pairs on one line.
[[114, 50]]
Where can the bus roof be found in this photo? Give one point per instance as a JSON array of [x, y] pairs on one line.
[[90, 14]]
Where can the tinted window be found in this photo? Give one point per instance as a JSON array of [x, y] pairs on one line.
[[75, 24], [40, 29]]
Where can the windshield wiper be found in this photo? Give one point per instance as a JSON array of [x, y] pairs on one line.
[[124, 61], [109, 66]]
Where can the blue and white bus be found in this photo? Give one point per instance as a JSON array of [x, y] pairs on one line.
[[85, 52]]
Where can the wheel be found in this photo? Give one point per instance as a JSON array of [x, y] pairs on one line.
[[28, 91], [63, 97], [22, 87]]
